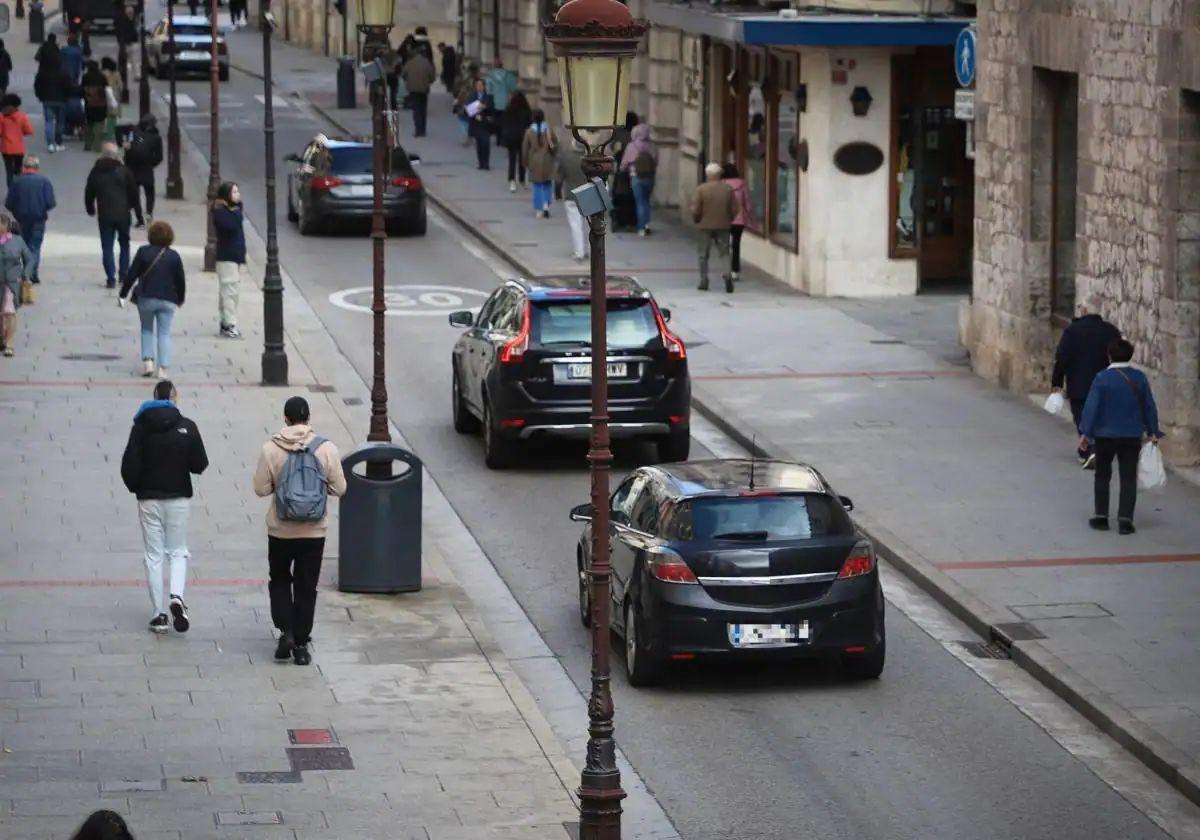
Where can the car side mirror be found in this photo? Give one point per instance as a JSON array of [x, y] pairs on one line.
[[292, 157], [462, 318], [582, 513], [846, 503], [666, 313]]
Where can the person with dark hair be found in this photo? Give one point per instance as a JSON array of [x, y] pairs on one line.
[[30, 199], [743, 217], [419, 74], [144, 152], [14, 128], [111, 195], [156, 283], [73, 60], [6, 67], [164, 451], [1118, 416], [1082, 353], [52, 86], [103, 825], [228, 218], [538, 151], [96, 94], [480, 111], [295, 546], [513, 124], [449, 66]]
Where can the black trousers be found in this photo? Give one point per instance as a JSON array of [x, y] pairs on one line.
[[1076, 404], [735, 247], [514, 164], [145, 180], [12, 167], [483, 149], [295, 571], [1125, 451], [420, 108]]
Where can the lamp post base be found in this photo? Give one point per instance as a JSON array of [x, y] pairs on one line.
[[274, 368], [173, 190]]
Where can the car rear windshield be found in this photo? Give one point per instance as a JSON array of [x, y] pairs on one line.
[[352, 160], [761, 518], [631, 323]]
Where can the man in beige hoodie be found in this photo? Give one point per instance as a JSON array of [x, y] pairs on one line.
[[294, 549]]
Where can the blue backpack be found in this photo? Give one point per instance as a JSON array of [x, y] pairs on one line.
[[302, 489]]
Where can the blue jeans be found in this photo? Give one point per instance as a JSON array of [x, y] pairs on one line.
[[157, 315], [642, 187], [543, 194], [33, 233], [120, 232], [55, 115]]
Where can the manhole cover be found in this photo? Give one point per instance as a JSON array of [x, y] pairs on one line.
[[90, 357]]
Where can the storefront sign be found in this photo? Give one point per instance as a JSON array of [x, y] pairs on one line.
[[858, 158], [964, 104], [964, 57]]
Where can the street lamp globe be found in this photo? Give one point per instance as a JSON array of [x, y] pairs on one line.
[[373, 14], [595, 42]]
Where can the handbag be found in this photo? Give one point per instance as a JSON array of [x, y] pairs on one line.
[[137, 281], [28, 292]]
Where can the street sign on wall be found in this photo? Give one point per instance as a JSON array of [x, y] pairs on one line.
[[964, 104], [964, 57]]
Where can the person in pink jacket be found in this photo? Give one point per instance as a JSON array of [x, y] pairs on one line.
[[745, 216]]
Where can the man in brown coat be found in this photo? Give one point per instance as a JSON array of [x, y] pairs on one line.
[[713, 210], [419, 75], [295, 548]]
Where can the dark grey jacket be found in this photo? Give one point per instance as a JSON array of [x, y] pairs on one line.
[[15, 256]]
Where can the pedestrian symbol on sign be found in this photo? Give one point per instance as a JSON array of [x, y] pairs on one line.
[[964, 57]]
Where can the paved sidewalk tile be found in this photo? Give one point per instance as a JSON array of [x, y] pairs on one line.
[[204, 734]]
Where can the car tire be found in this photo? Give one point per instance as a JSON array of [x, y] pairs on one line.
[[498, 450], [223, 74], [642, 667], [420, 226], [675, 447], [585, 592], [858, 667], [308, 225], [465, 423], [292, 215]]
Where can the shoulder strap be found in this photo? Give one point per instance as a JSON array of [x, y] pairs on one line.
[[315, 444], [1137, 395]]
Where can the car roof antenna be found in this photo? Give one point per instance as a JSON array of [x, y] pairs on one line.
[[753, 450]]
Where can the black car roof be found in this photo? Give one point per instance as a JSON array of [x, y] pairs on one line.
[[724, 475], [539, 288]]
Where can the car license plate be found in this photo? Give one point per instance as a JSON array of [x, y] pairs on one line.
[[616, 370], [193, 55], [361, 190], [766, 635]]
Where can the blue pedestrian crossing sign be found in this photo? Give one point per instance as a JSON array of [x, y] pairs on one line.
[[964, 57]]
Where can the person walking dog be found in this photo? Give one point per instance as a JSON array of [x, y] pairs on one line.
[[156, 283], [164, 451], [30, 199], [301, 470], [1118, 416], [713, 211], [1082, 353], [15, 262], [228, 220]]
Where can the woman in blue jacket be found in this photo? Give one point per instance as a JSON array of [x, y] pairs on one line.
[[1118, 416], [156, 283], [228, 220]]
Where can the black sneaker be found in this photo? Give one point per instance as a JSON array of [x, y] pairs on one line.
[[301, 655], [1089, 463], [1125, 526], [284, 649], [179, 611], [1099, 523], [160, 623]]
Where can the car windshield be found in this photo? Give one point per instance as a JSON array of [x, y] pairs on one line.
[[631, 323], [352, 160], [761, 518]]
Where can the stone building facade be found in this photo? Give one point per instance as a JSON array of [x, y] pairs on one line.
[[1088, 182]]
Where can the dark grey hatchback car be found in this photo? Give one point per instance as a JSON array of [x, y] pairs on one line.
[[737, 558]]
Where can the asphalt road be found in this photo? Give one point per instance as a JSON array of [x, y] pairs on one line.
[[778, 752]]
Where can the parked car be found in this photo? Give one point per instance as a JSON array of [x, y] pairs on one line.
[[193, 45], [523, 368], [736, 558], [333, 180]]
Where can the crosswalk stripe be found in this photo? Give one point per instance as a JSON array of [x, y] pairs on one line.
[[277, 101]]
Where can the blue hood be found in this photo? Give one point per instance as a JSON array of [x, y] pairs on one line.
[[149, 404]]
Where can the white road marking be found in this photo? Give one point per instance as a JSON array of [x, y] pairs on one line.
[[277, 101], [182, 100], [416, 299]]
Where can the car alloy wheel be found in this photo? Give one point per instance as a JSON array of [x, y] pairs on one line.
[[640, 665], [464, 422], [497, 450], [585, 595]]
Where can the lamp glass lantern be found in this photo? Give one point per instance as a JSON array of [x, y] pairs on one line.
[[376, 13]]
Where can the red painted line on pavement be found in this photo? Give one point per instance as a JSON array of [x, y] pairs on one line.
[[117, 383], [849, 374], [124, 582], [1044, 562]]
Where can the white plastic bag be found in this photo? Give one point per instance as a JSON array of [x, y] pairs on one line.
[[1152, 475], [1055, 403]]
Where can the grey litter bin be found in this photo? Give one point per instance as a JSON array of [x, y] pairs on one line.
[[346, 97], [379, 529]]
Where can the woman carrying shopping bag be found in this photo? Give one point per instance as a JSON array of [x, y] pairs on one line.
[[15, 259], [157, 285]]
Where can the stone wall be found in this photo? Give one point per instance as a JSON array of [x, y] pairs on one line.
[[1137, 204]]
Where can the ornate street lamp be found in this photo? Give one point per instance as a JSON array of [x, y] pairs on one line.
[[214, 134], [274, 357], [595, 42], [375, 22], [174, 175]]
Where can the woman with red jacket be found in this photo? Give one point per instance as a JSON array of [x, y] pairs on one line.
[[14, 128]]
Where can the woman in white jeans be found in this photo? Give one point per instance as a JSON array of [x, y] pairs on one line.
[[163, 453], [228, 218]]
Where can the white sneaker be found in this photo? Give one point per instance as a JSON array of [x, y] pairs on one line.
[[162, 373], [512, 186], [643, 232], [147, 367]]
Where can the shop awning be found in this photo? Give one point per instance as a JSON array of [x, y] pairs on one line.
[[753, 27]]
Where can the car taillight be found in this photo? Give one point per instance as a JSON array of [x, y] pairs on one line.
[[514, 352], [667, 566], [325, 182], [674, 345], [860, 562], [407, 183]]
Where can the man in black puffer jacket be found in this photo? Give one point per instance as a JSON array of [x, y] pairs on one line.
[[163, 452], [111, 195]]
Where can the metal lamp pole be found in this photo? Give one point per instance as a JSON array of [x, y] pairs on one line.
[[214, 136], [174, 186], [143, 76], [274, 357], [595, 42], [122, 32]]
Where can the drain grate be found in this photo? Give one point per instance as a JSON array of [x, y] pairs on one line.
[[352, 400], [984, 650], [321, 389], [90, 357]]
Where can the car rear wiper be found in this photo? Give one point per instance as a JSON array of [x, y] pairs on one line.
[[742, 535], [567, 341]]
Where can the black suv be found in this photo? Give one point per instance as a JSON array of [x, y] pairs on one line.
[[523, 367]]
